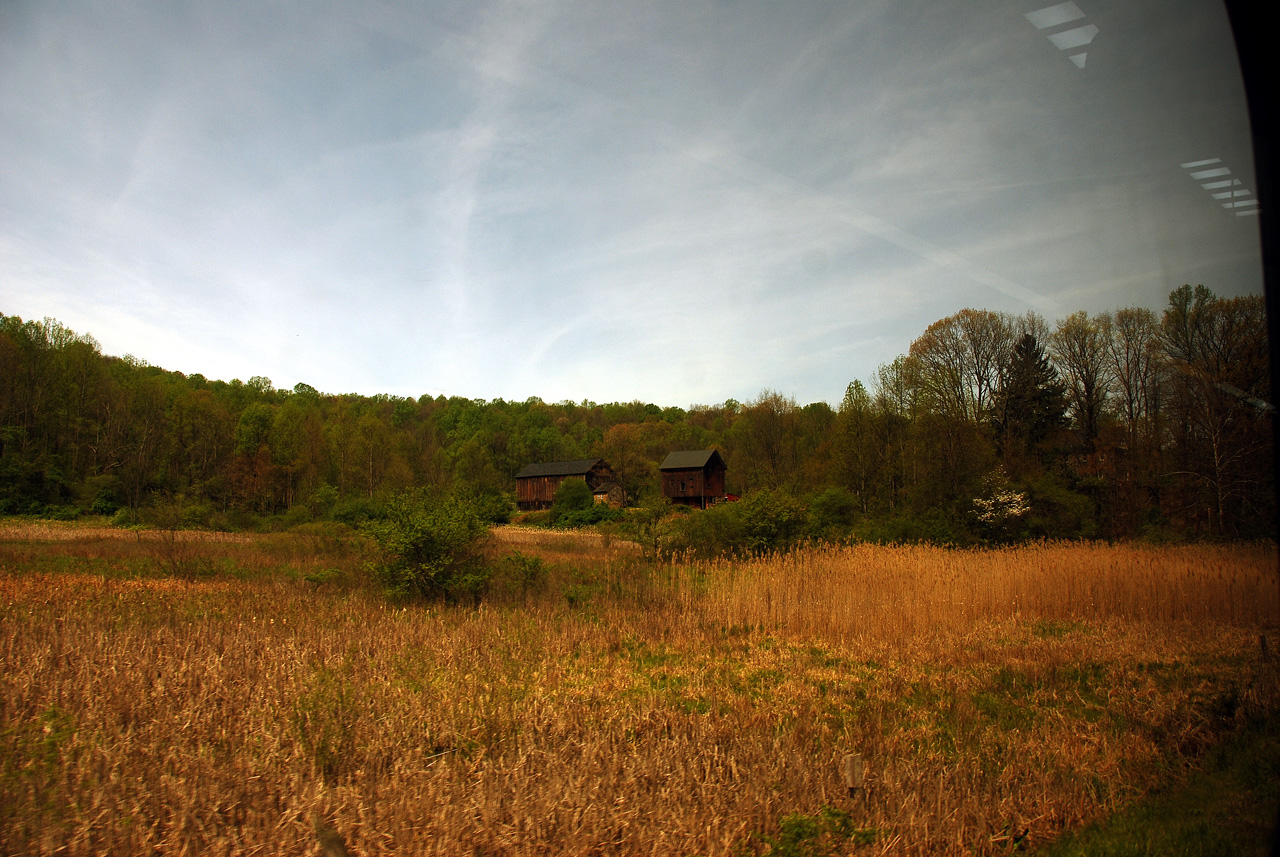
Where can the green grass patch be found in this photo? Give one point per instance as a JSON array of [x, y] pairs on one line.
[[1227, 807]]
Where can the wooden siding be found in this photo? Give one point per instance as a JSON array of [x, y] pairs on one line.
[[537, 492], [694, 487]]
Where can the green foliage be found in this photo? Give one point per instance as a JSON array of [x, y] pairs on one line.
[[644, 524], [325, 717], [493, 507], [771, 520], [1058, 512], [718, 531], [357, 510], [596, 513], [935, 526], [522, 574], [323, 501], [574, 506], [1032, 404], [430, 547], [763, 521], [832, 513], [1168, 438], [828, 832], [573, 495], [1226, 808]]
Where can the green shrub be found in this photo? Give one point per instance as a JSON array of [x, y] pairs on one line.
[[832, 513], [573, 495], [323, 500], [520, 574], [430, 546], [61, 513], [830, 831], [718, 531], [295, 516], [355, 510], [539, 518], [125, 517], [596, 513], [935, 526], [649, 525], [761, 522], [493, 507], [103, 494], [771, 521]]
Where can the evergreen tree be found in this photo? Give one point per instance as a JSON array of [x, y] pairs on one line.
[[1031, 406]]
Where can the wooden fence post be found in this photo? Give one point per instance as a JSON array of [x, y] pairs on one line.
[[853, 772]]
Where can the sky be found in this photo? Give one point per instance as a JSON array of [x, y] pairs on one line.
[[672, 201]]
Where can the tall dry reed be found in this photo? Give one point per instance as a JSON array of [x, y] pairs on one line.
[[161, 715]]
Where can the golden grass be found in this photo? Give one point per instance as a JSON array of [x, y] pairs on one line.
[[853, 592], [990, 692]]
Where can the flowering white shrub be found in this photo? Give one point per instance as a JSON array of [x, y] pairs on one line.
[[1001, 506]]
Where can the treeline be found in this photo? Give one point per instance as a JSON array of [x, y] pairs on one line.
[[991, 428]]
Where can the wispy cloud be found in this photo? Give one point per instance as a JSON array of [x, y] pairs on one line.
[[663, 201]]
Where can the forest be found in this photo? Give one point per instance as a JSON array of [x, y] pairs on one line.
[[991, 428]]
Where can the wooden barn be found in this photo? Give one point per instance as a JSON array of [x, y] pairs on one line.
[[693, 478], [536, 485]]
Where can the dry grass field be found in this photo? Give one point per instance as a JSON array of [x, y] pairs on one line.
[[206, 696]]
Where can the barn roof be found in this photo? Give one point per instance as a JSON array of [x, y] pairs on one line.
[[690, 459], [559, 468]]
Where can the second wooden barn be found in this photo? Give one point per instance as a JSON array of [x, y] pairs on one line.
[[536, 485], [693, 477]]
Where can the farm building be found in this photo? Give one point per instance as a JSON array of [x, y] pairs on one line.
[[693, 478], [609, 492], [536, 485]]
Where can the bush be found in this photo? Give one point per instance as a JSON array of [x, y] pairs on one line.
[[647, 524], [935, 526], [354, 510], [573, 495], [322, 502], [832, 513], [761, 522], [61, 513], [521, 575], [430, 547], [771, 521], [540, 518], [125, 517], [493, 507], [596, 513], [103, 494], [718, 531]]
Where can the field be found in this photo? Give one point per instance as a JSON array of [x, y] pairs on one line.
[[185, 693]]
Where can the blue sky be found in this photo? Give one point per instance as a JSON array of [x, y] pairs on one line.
[[678, 202]]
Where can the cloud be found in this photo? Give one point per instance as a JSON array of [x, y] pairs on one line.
[[666, 201]]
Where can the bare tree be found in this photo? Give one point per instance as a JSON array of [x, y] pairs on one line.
[[1079, 349]]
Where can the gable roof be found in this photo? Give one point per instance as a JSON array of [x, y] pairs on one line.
[[559, 468], [691, 459]]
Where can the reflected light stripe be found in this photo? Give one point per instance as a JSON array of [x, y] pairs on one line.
[[1216, 185], [1205, 163], [1209, 174], [1076, 38], [1052, 16]]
